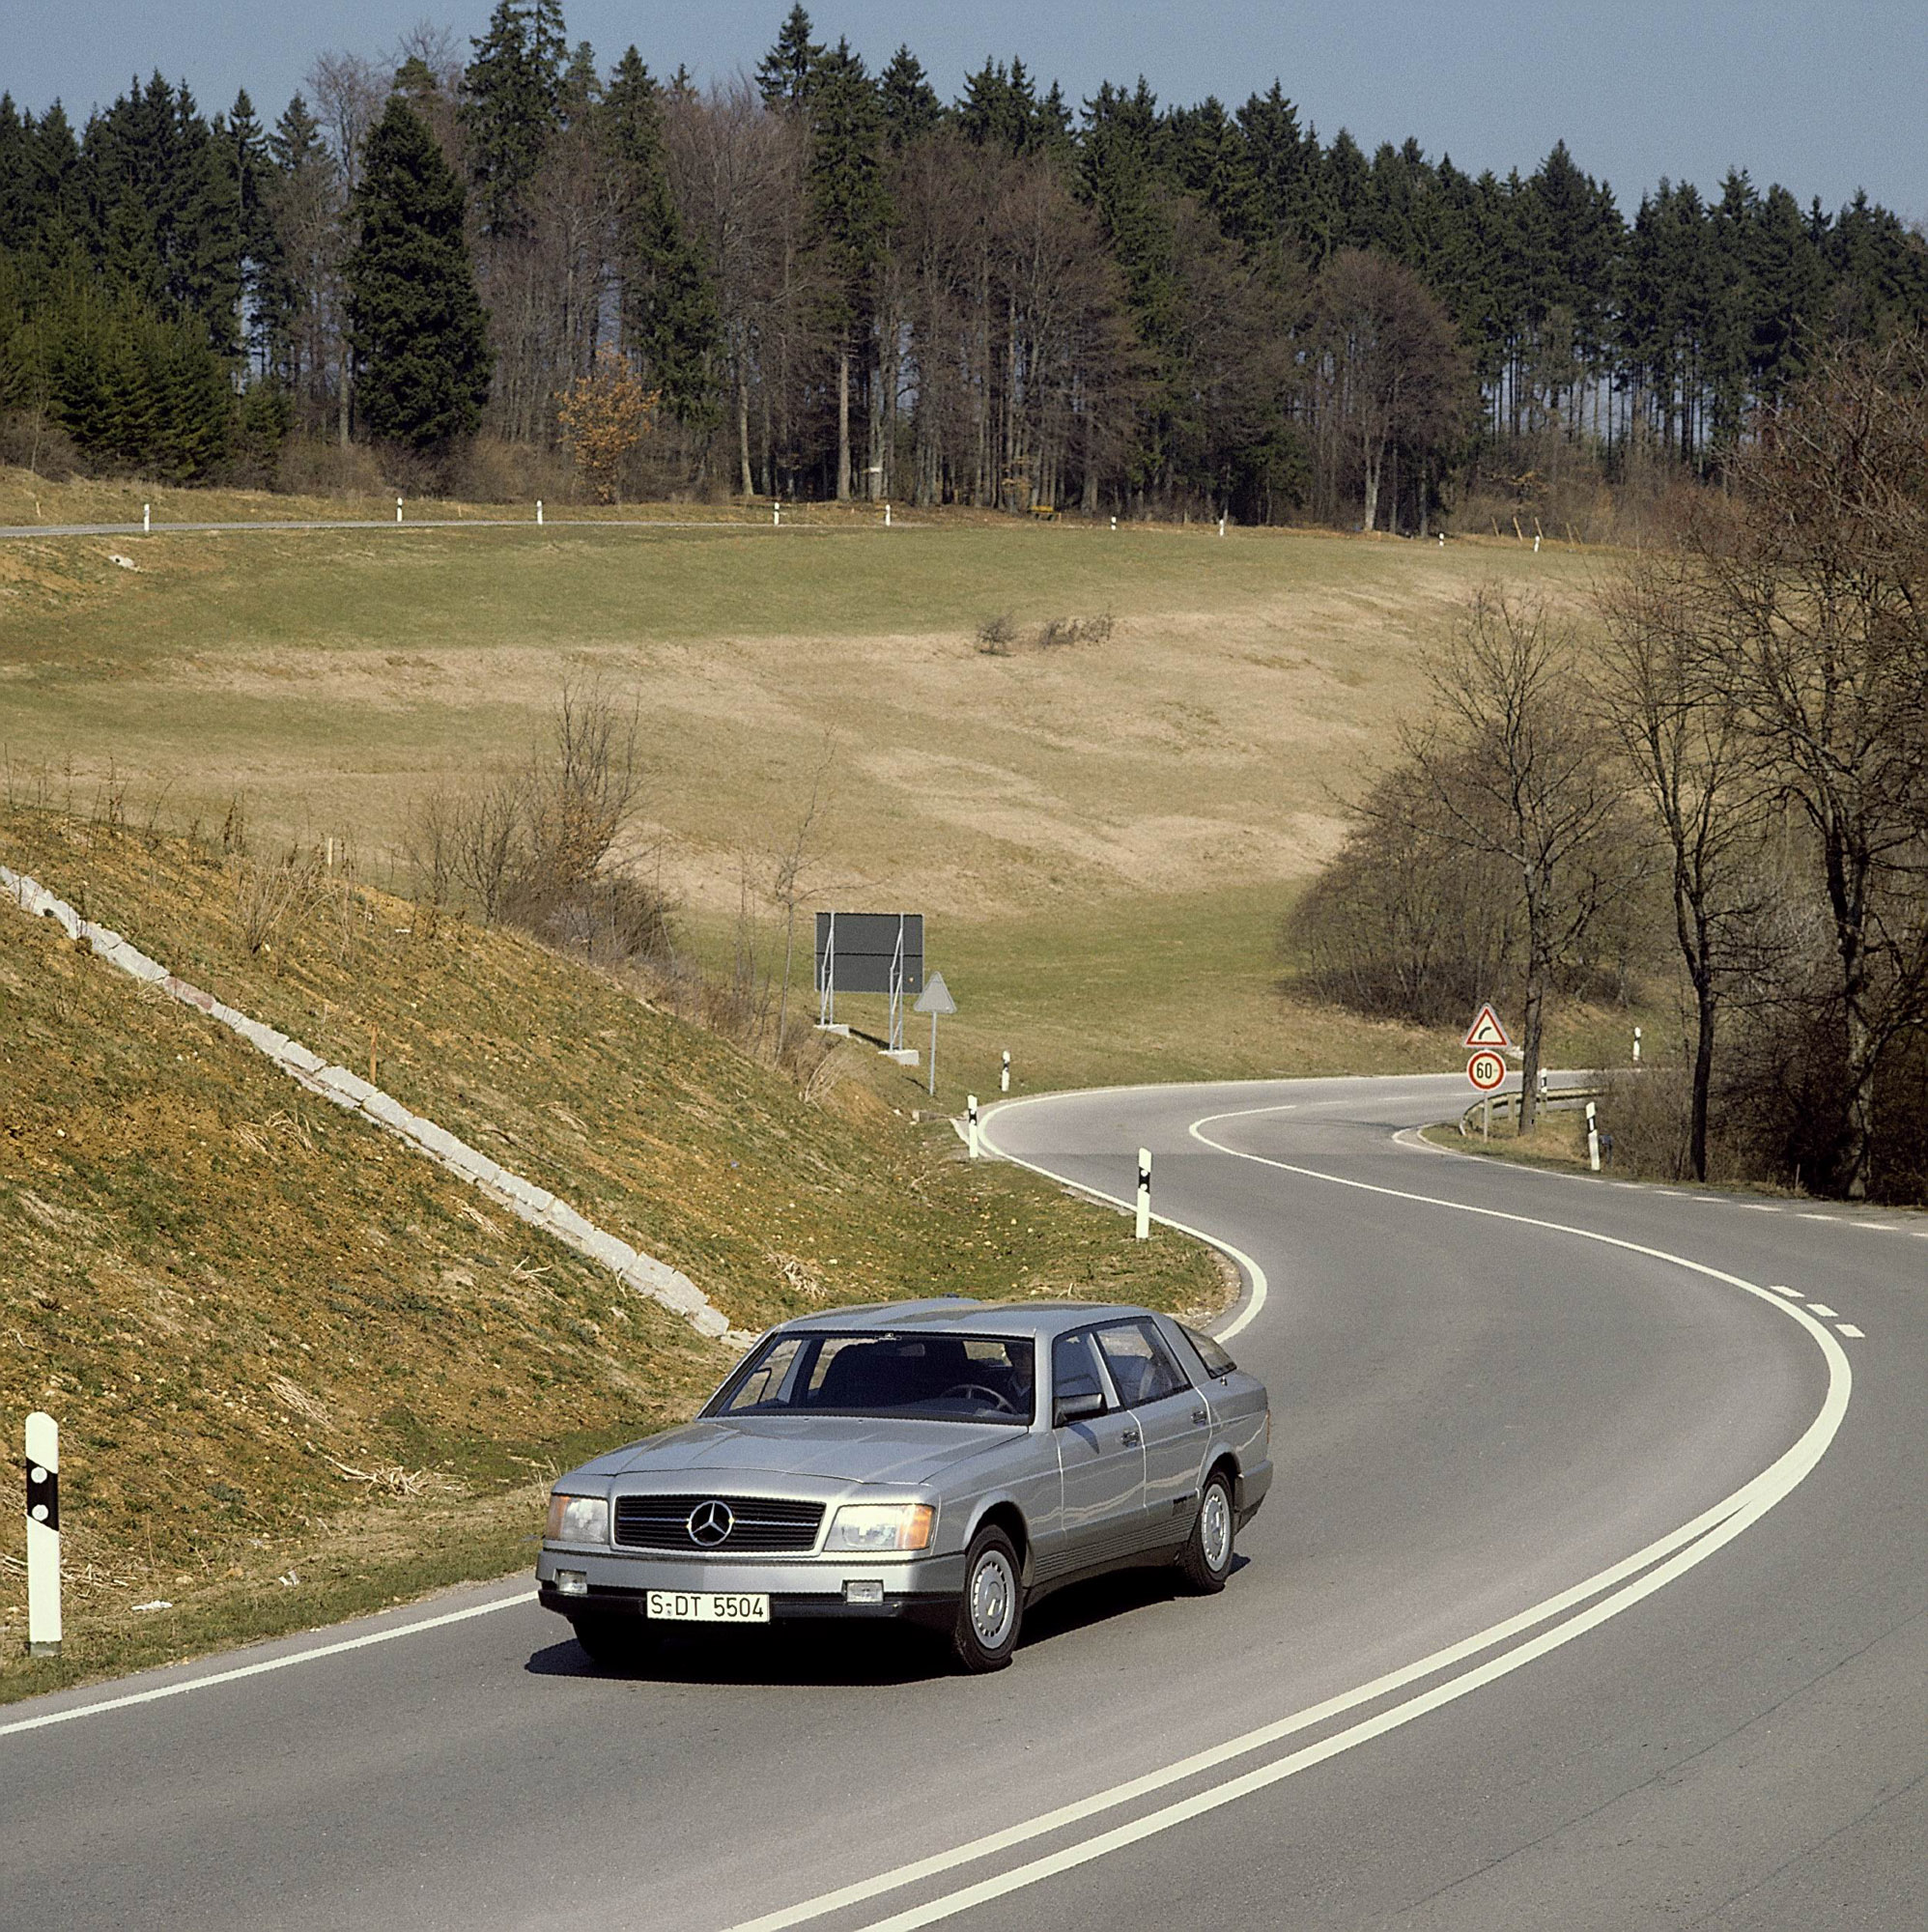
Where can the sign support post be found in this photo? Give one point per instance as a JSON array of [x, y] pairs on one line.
[[42, 1535], [935, 999]]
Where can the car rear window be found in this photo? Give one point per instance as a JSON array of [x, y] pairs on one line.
[[932, 1377], [1217, 1361]]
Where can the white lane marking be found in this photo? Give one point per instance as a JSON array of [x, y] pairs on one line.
[[1821, 1308], [1255, 1275], [320, 1651], [1848, 1328], [1689, 1545], [1763, 1206], [1806, 1216], [1248, 1741], [1216, 1797], [1777, 1289], [1880, 1227]]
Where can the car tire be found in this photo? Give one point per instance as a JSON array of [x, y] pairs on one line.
[[991, 1610], [1206, 1562], [611, 1643]]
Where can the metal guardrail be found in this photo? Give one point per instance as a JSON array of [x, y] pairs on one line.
[[1556, 1098]]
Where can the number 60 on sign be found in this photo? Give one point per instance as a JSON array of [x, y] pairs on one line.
[[1486, 1070]]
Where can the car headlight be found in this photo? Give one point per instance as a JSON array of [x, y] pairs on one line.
[[874, 1526], [578, 1518]]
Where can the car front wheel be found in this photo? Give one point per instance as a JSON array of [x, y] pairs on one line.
[[992, 1607], [1206, 1562], [612, 1642]]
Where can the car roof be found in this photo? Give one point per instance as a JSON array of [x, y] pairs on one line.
[[958, 1315]]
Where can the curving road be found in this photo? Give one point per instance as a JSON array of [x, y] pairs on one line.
[[1591, 1593]]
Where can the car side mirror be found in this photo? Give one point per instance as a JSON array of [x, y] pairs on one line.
[[1077, 1408]]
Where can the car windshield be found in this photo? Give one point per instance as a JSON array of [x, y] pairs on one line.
[[916, 1377]]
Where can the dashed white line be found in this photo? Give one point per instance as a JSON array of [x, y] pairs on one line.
[[1822, 1309], [1848, 1328], [1882, 1227], [1689, 1545], [1777, 1289]]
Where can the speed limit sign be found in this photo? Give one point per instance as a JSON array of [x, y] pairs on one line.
[[1486, 1070]]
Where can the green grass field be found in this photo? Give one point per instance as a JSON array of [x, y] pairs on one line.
[[1103, 835]]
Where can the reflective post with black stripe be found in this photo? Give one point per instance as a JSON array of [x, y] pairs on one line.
[[42, 1535]]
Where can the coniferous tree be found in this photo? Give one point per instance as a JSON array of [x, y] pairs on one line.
[[512, 96], [668, 310], [787, 75], [907, 100], [849, 209], [419, 332]]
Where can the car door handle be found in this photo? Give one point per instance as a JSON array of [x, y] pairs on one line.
[[1129, 1438], [1201, 1416]]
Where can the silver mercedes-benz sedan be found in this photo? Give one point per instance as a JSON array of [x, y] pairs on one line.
[[945, 1461]]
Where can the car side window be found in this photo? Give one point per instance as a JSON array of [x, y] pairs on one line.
[[1140, 1363], [1074, 1367]]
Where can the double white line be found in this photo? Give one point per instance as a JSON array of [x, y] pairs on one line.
[[1514, 1642]]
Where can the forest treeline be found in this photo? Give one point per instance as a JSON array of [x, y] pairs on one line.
[[834, 283], [1714, 779]]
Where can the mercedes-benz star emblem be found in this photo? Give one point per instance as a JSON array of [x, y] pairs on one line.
[[710, 1524]]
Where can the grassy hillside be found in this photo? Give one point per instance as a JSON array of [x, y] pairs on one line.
[[1103, 834], [282, 1345]]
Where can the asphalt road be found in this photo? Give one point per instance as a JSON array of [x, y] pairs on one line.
[[1591, 1593]]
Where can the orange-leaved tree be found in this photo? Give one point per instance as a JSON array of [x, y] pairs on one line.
[[604, 416]]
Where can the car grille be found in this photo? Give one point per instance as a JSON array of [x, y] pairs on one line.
[[756, 1523]]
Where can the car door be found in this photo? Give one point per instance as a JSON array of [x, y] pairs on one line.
[[1174, 1418], [1100, 1464]]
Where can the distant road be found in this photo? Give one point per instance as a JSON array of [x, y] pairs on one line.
[[444, 524], [1592, 1592]]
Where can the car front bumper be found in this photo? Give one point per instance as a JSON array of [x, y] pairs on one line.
[[922, 1589]]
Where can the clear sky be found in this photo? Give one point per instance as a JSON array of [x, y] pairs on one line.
[[1824, 98]]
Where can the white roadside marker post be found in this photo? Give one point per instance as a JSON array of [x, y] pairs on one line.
[[971, 1107], [147, 520], [886, 516], [1144, 1224], [1636, 1046], [776, 515], [398, 509], [1593, 1139], [1004, 1073], [538, 512], [42, 1535]]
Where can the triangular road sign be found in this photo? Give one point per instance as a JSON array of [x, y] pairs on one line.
[[935, 997], [1486, 1030]]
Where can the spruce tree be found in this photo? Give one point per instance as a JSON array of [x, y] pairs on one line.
[[512, 98], [907, 100], [417, 326], [849, 209], [787, 75], [668, 310]]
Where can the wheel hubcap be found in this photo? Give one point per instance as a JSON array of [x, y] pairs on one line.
[[1215, 1528], [993, 1600]]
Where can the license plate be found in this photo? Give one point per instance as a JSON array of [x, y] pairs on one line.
[[707, 1607]]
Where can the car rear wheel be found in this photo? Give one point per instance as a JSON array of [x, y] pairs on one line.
[[1206, 1562], [992, 1607]]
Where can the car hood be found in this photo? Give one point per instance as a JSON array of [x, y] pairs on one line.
[[840, 1449]]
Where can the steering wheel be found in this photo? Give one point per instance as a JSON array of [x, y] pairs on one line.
[[982, 1393]]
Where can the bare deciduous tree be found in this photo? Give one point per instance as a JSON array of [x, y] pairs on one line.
[[1514, 761]]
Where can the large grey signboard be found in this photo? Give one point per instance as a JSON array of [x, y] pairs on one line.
[[871, 952]]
